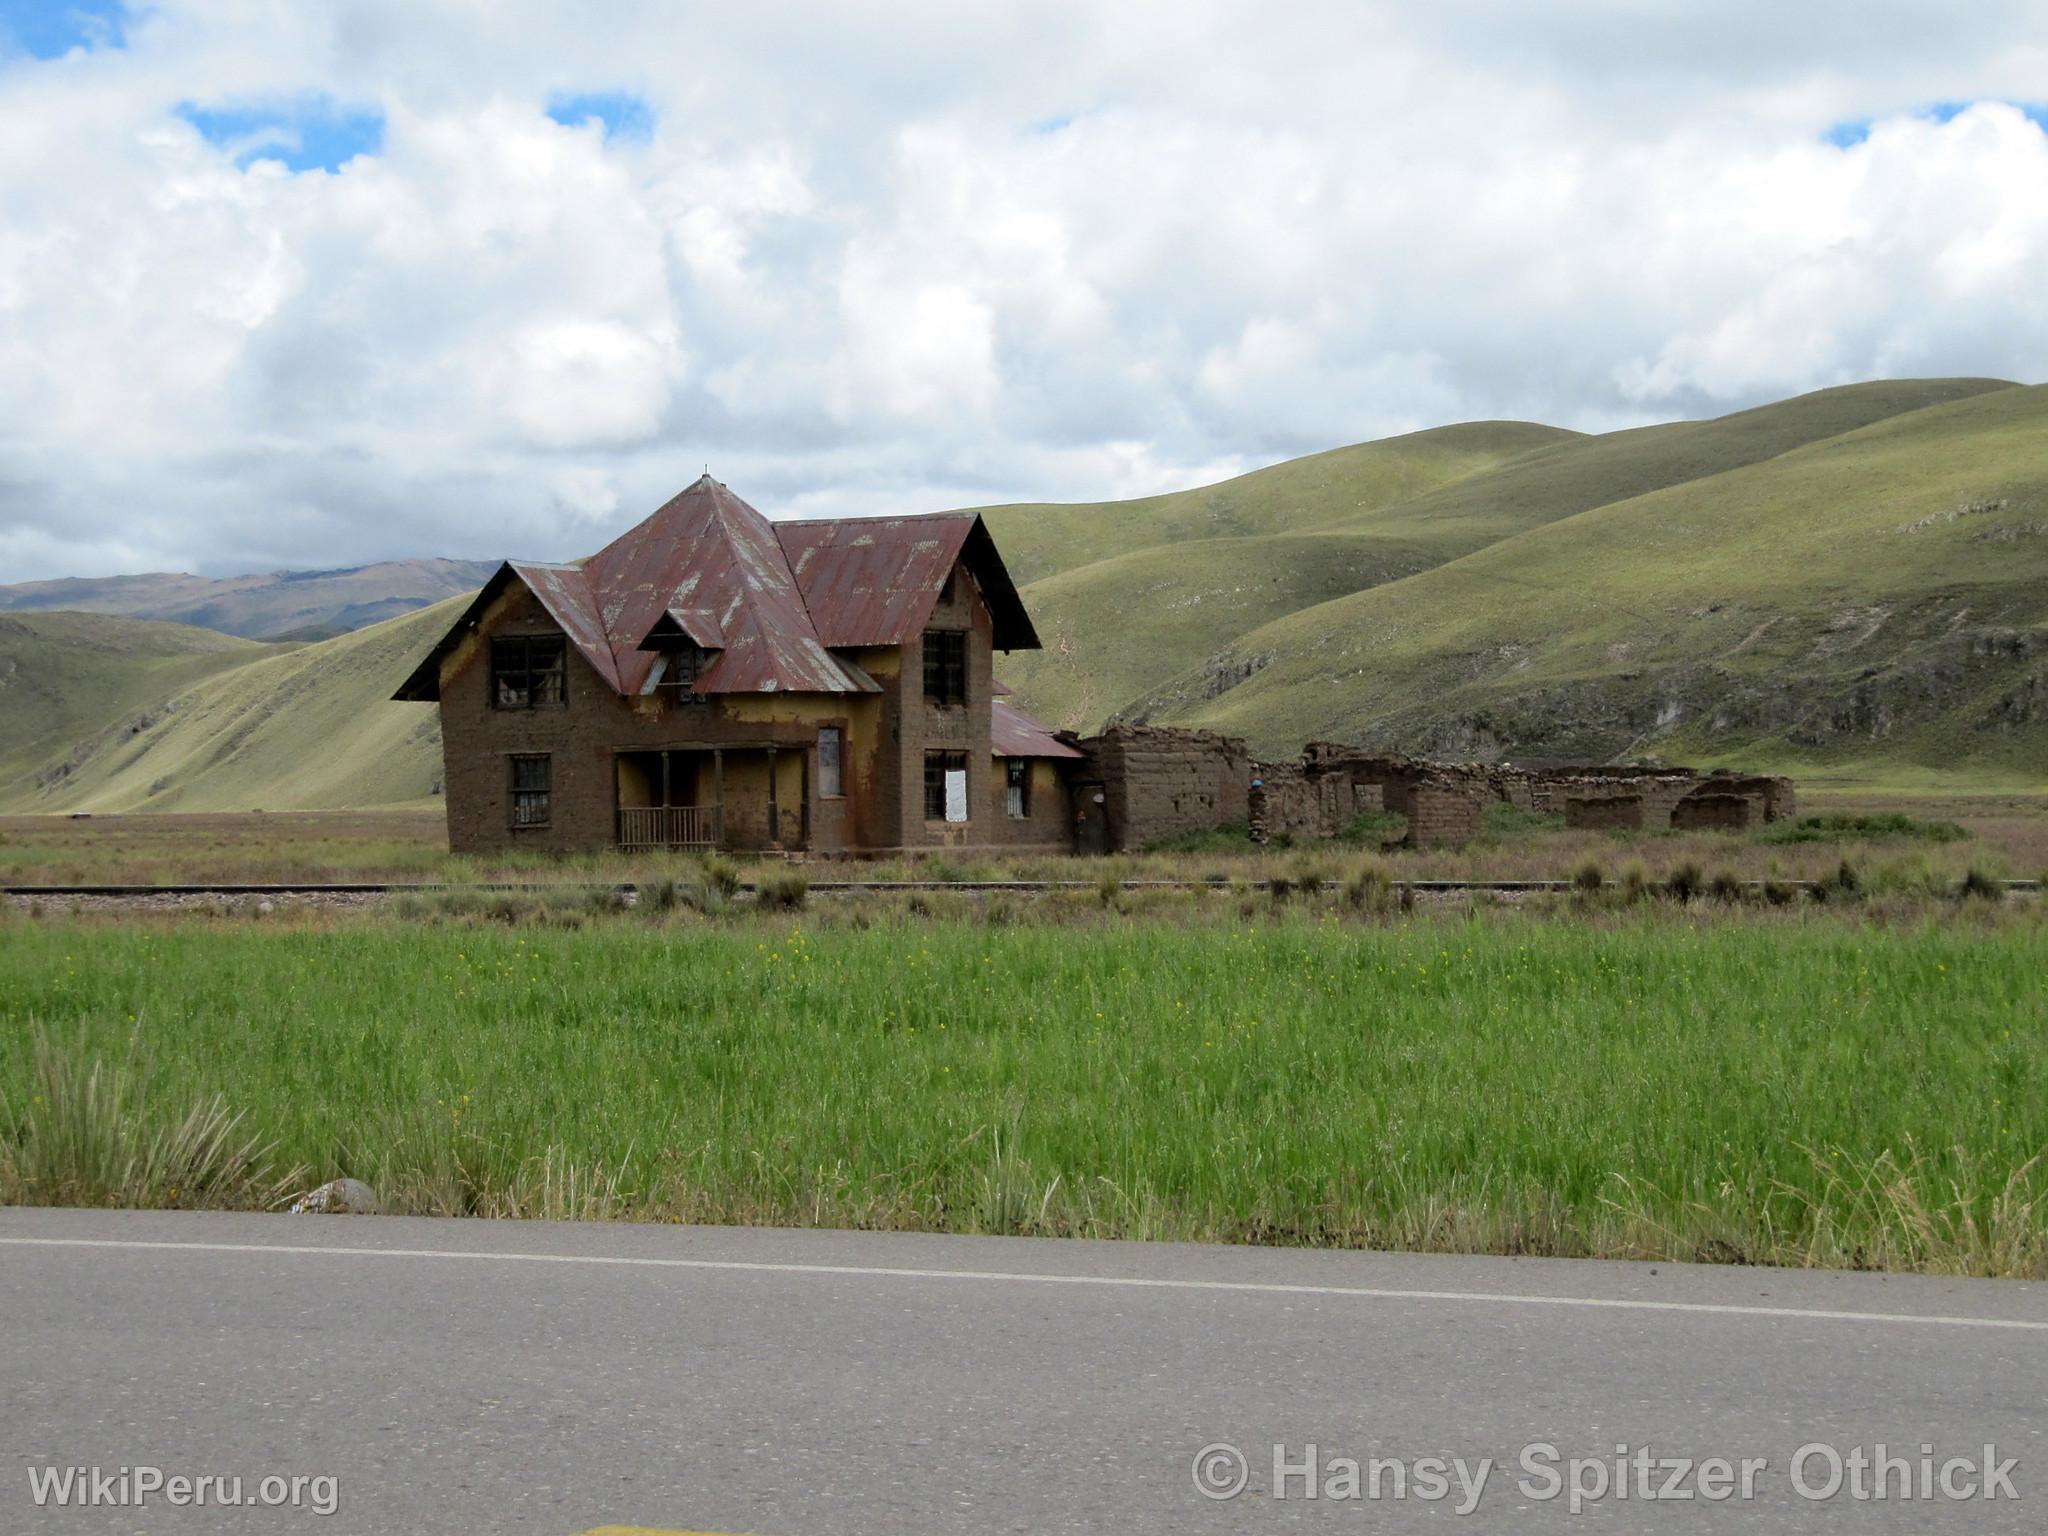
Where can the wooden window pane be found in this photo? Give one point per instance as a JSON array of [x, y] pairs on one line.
[[533, 782], [945, 666]]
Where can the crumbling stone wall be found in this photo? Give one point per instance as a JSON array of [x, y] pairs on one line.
[[1287, 800], [1158, 781]]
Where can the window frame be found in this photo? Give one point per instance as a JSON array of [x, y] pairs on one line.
[[501, 670], [945, 667], [945, 760], [522, 797], [1017, 787], [836, 763]]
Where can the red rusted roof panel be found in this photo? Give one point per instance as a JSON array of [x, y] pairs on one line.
[[872, 580], [1012, 733]]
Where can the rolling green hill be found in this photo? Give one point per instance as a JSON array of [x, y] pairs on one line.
[[1878, 596], [67, 679], [272, 728], [1164, 594], [1853, 581]]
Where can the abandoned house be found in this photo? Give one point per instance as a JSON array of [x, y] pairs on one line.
[[710, 679]]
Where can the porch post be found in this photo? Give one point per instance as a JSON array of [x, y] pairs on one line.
[[803, 778], [718, 794], [774, 812]]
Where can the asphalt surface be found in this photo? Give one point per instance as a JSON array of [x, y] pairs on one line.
[[462, 1376]]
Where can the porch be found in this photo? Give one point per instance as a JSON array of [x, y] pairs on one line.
[[736, 797]]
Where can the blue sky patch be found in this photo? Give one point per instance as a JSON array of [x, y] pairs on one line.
[[49, 29], [1856, 130], [624, 115], [314, 134]]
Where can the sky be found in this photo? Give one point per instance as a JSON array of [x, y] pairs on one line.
[[286, 285]]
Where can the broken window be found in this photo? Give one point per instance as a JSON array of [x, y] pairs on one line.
[[529, 672], [533, 785], [1017, 777], [945, 786], [828, 762], [680, 670], [945, 666]]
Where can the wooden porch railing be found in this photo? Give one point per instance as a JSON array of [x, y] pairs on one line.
[[671, 826]]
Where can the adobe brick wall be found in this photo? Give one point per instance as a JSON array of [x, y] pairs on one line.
[[1158, 781], [1598, 810], [1703, 811], [1445, 814], [1288, 801]]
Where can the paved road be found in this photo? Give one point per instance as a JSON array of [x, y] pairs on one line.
[[480, 1377]]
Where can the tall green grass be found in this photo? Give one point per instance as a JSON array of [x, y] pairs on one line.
[[1803, 1090]]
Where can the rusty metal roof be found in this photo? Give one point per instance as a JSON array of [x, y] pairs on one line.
[[768, 602], [1012, 733], [874, 580], [711, 565]]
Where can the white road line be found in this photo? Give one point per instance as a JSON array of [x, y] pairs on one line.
[[1128, 1282]]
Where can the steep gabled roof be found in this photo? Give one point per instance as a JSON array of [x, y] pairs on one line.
[[769, 603], [875, 580], [559, 588]]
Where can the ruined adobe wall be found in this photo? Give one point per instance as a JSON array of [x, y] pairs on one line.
[[1603, 810], [1443, 803], [1444, 814], [1157, 781], [1705, 812], [1287, 800]]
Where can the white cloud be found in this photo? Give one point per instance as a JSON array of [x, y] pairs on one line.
[[902, 257]]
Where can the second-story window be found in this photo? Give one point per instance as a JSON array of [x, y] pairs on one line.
[[680, 672], [529, 672], [945, 666]]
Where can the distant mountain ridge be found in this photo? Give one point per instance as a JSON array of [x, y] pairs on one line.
[[276, 605]]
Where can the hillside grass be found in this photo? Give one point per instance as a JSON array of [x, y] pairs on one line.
[[70, 679], [1656, 1087], [287, 728], [1738, 614], [1319, 491]]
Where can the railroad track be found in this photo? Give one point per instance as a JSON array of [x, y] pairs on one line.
[[832, 887]]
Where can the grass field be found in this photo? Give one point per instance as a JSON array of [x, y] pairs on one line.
[[2006, 835], [1797, 1089]]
